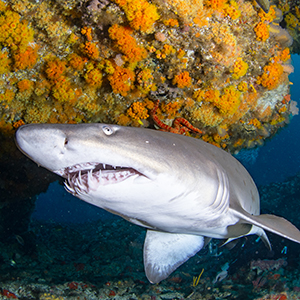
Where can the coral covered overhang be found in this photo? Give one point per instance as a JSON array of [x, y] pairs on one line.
[[221, 65]]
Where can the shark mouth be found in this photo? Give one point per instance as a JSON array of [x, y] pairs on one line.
[[82, 178]]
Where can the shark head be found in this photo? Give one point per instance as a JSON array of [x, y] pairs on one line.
[[183, 190], [110, 166], [58, 147]]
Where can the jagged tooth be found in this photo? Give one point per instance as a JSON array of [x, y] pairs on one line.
[[68, 188], [100, 176], [77, 183], [78, 191], [80, 179], [90, 176], [92, 180]]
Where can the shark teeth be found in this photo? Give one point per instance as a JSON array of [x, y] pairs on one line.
[[83, 178]]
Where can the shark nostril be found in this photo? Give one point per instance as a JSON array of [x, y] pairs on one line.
[[66, 141]]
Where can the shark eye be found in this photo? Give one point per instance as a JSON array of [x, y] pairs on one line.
[[107, 130], [66, 142]]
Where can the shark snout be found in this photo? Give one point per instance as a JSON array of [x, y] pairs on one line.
[[43, 143], [22, 136], [29, 136]]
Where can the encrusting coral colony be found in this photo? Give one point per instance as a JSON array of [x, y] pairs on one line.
[[221, 65]]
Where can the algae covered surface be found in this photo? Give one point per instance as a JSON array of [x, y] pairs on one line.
[[221, 65]]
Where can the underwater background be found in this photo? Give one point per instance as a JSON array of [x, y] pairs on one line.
[[55, 246], [72, 250]]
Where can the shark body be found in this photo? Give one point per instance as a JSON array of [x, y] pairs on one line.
[[183, 190]]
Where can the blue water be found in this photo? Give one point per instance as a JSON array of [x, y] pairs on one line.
[[279, 158], [57, 205], [274, 162]]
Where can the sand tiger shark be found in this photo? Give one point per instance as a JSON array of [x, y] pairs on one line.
[[182, 190]]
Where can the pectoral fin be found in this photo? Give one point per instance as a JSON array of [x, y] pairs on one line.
[[278, 226], [165, 252], [271, 223]]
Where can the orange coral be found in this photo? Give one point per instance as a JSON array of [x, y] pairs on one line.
[[127, 43], [26, 59], [277, 119], [63, 91], [87, 31], [145, 81], [227, 44], [73, 38], [180, 53], [183, 80], [55, 69], [239, 142], [166, 50], [220, 138], [239, 68], [229, 101], [255, 123], [140, 14], [77, 62], [185, 9], [243, 86], [285, 54], [123, 120], [262, 31], [232, 10], [268, 17], [41, 87], [18, 124], [94, 78], [7, 96], [202, 17], [37, 114], [107, 66], [271, 76], [283, 109], [122, 80], [4, 62], [2, 6], [207, 114], [171, 23], [212, 96], [90, 50], [217, 5], [25, 85], [171, 109], [14, 33], [138, 111]]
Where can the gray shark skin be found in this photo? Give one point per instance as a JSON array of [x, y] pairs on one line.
[[182, 190]]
